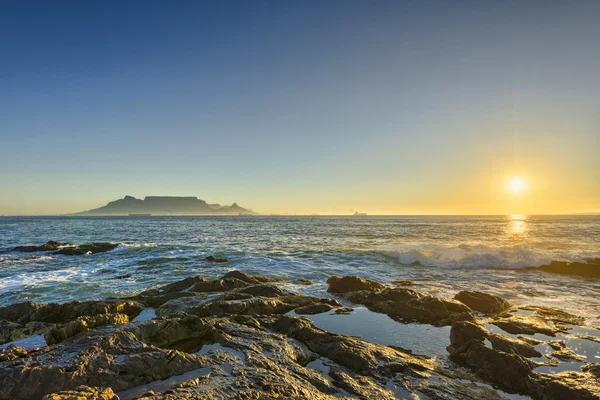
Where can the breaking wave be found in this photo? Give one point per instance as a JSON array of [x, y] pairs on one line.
[[479, 256]]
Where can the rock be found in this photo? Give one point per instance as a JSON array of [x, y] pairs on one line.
[[338, 284], [318, 308], [83, 393], [343, 310], [557, 344], [403, 283], [512, 371], [556, 316], [82, 324], [11, 331], [515, 346], [63, 313], [123, 276], [305, 281], [19, 312], [88, 248], [482, 302], [48, 246], [216, 260], [518, 324], [590, 268], [566, 354], [593, 369], [406, 305]]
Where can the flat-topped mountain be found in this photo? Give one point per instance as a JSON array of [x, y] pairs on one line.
[[165, 205]]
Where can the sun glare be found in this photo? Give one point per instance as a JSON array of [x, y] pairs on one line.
[[516, 185]]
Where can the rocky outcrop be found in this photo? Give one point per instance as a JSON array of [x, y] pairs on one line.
[[590, 268], [48, 246], [557, 316], [482, 302], [401, 304], [83, 393], [215, 259], [507, 366], [88, 248], [239, 339], [519, 324], [338, 284]]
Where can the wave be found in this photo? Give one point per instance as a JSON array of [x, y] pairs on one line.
[[479, 256]]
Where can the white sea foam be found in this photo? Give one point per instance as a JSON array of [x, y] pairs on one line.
[[479, 256]]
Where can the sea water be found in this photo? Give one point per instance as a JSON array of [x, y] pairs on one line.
[[441, 255]]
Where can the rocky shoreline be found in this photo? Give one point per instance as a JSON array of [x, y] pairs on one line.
[[243, 336]]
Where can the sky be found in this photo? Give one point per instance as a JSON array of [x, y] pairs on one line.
[[384, 107]]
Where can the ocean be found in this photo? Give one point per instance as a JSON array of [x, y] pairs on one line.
[[441, 254]]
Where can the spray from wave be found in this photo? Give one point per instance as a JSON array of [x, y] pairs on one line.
[[479, 256]]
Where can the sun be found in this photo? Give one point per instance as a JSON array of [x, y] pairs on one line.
[[516, 185]]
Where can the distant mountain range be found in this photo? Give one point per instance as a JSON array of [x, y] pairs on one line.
[[165, 205]]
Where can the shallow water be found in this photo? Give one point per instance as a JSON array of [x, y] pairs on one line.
[[452, 253]]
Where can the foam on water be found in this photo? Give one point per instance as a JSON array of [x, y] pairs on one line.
[[479, 256]]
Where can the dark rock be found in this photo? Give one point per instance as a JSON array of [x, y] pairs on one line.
[[214, 259], [338, 284], [311, 309], [82, 324], [406, 305], [482, 302], [590, 268], [88, 248], [19, 312], [123, 276], [401, 282], [566, 354], [593, 369], [554, 315], [518, 324], [48, 246], [504, 366], [343, 310], [63, 313], [305, 281], [83, 393]]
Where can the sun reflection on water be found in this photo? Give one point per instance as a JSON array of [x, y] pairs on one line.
[[517, 225]]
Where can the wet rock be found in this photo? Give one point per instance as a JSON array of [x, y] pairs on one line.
[[123, 276], [64, 313], [518, 324], [48, 246], [305, 281], [10, 331], [83, 393], [509, 345], [566, 354], [557, 344], [590, 268], [467, 346], [338, 284], [554, 315], [403, 283], [318, 308], [20, 312], [593, 369], [259, 306], [82, 324], [406, 305], [88, 248], [482, 302], [512, 371], [215, 259], [343, 310]]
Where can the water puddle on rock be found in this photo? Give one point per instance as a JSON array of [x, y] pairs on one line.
[[163, 385], [30, 342], [146, 315], [379, 328]]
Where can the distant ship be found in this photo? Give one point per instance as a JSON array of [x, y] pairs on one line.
[[140, 215], [358, 214]]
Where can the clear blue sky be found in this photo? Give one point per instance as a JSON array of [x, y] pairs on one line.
[[301, 106]]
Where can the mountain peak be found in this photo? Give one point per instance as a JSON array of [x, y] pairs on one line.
[[165, 205]]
